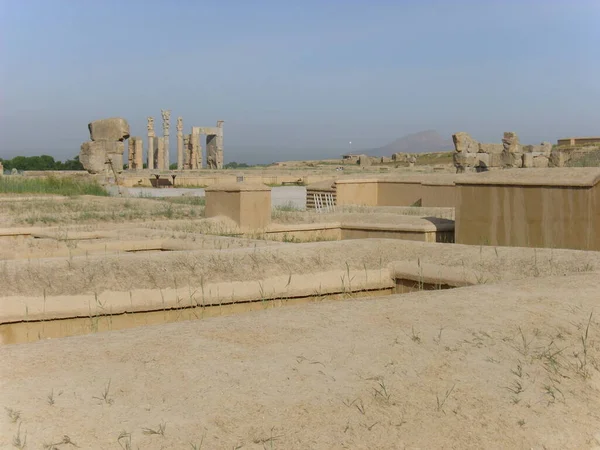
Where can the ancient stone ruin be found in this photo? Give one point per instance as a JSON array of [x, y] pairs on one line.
[[135, 156], [471, 155], [189, 148], [104, 152]]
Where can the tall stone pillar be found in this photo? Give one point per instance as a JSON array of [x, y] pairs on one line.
[[187, 161], [179, 143], [196, 148], [138, 154], [166, 117], [159, 153], [151, 136], [219, 144], [130, 153]]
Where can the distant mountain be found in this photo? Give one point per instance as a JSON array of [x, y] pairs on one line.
[[422, 142]]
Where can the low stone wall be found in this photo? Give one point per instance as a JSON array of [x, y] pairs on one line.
[[27, 319], [441, 194], [185, 179], [426, 190], [556, 208], [363, 192], [415, 229]]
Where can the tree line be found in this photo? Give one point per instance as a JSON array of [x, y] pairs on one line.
[[43, 162]]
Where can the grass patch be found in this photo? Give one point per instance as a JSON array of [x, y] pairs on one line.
[[50, 185]]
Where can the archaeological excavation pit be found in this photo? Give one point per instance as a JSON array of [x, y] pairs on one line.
[[82, 294]]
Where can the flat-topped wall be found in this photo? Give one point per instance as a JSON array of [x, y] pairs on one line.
[[357, 192], [399, 193], [183, 180], [579, 141], [555, 208], [414, 191]]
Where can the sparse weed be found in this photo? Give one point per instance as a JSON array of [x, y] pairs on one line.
[[50, 398], [160, 430], [105, 395], [382, 392], [442, 402], [13, 414], [19, 441], [124, 440]]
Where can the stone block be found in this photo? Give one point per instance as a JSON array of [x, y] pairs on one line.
[[490, 148], [512, 160], [113, 129], [511, 143], [546, 148], [249, 205], [495, 160], [540, 161], [364, 161], [463, 142], [558, 158], [92, 156], [483, 160], [528, 160]]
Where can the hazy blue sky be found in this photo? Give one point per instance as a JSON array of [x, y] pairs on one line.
[[298, 74]]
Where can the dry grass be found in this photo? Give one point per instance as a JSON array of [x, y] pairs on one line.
[[88, 209]]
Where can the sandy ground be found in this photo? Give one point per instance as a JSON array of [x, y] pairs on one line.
[[492, 366]]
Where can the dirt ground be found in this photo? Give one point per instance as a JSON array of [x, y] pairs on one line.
[[492, 366]]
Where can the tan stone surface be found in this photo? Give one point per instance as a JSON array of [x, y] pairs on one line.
[[478, 367], [92, 156], [531, 212], [249, 205], [113, 129]]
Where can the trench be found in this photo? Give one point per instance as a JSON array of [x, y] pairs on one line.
[[35, 330]]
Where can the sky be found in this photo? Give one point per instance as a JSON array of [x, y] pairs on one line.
[[298, 79]]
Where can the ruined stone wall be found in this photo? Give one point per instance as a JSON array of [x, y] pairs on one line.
[[471, 155], [104, 152]]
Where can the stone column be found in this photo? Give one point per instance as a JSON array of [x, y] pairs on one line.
[[151, 136], [179, 143], [196, 148], [136, 152], [219, 159], [159, 156], [166, 116], [187, 161], [130, 153]]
